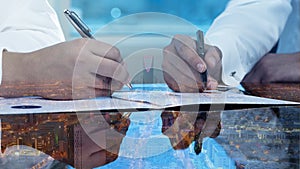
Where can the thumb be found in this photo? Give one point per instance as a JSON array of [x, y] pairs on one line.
[[212, 56], [213, 59], [212, 84]]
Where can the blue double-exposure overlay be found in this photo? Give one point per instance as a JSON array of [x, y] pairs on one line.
[[98, 13]]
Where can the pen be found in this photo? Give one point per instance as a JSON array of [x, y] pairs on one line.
[[81, 28], [201, 53]]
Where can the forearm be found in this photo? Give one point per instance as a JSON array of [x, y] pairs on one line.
[[12, 67], [246, 31], [20, 72], [15, 75], [28, 25], [68, 70]]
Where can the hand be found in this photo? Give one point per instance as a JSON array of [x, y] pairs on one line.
[[100, 137], [180, 127], [275, 68], [183, 128], [182, 65], [81, 68], [275, 76]]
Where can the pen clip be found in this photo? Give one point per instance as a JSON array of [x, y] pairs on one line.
[[78, 24]]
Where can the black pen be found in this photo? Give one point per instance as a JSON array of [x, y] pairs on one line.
[[81, 28], [201, 53]]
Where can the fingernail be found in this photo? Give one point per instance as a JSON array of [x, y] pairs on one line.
[[200, 67]]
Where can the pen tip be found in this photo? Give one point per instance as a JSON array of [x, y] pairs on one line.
[[129, 86], [197, 147]]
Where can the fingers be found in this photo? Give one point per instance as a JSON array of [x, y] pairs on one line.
[[255, 75], [212, 84], [171, 82], [182, 65], [105, 83], [175, 64], [211, 126], [103, 86], [99, 70], [110, 63], [105, 50], [101, 59], [181, 86], [182, 78], [112, 69], [249, 78], [213, 55], [186, 49], [178, 74]]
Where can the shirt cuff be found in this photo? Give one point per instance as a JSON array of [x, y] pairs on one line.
[[232, 68]]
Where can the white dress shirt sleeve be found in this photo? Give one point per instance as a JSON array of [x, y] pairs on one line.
[[246, 31], [27, 25]]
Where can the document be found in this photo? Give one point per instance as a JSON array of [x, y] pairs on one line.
[[164, 97], [142, 96]]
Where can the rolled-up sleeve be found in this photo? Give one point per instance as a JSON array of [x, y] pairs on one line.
[[246, 31], [27, 25]]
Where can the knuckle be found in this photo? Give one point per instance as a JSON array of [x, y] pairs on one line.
[[182, 48], [178, 36], [177, 39], [114, 52], [79, 44], [81, 41], [164, 65], [167, 50]]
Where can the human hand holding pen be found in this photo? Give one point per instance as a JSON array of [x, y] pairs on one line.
[[183, 128], [81, 28], [78, 69], [182, 65]]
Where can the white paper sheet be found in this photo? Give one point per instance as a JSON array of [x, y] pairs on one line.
[[50, 106], [171, 99], [147, 96]]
